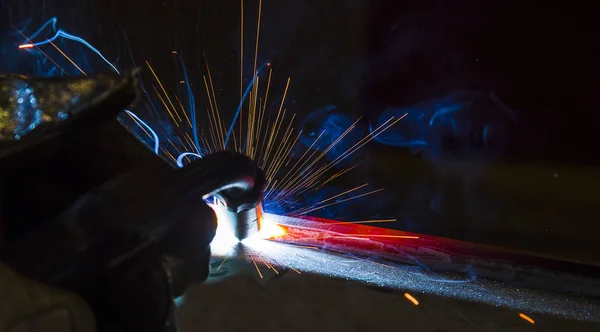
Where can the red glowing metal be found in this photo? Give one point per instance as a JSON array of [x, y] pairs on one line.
[[436, 253]]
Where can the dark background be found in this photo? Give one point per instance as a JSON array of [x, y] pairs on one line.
[[539, 191]]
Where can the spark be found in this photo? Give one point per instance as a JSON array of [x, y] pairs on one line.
[[221, 265], [411, 299], [256, 266], [68, 58], [166, 95], [527, 318], [364, 221], [61, 33], [368, 236], [239, 109], [270, 144], [341, 201]]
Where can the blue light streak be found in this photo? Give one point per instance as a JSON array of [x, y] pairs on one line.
[[237, 112], [191, 105], [61, 33], [152, 132], [51, 22], [183, 155]]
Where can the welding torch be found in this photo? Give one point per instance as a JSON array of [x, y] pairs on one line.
[[90, 215]]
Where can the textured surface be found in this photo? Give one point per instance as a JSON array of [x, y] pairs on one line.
[[303, 302], [28, 306], [26, 103]]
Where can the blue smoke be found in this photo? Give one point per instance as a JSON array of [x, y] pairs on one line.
[[311, 199], [59, 53], [55, 52], [59, 33], [462, 125], [327, 126], [46, 48]]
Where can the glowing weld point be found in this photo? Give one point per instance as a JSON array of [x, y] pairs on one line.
[[181, 82], [224, 242], [270, 230], [173, 52], [527, 318], [26, 46], [411, 299]]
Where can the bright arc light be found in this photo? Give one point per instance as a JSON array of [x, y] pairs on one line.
[[269, 229], [224, 244]]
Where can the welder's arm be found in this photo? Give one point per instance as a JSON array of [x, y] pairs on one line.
[[72, 181]]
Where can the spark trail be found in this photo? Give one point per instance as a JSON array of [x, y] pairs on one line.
[[269, 139], [266, 137]]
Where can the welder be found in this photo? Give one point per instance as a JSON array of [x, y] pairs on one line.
[[97, 233]]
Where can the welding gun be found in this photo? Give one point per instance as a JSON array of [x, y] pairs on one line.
[[85, 207]]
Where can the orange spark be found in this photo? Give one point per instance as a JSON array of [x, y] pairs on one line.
[[527, 318], [362, 222], [256, 266], [411, 299], [26, 46], [385, 236], [221, 265]]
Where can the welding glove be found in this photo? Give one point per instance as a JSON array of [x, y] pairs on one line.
[[26, 305], [78, 208]]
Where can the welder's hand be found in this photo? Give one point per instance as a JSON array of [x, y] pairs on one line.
[[26, 306], [85, 205], [57, 142]]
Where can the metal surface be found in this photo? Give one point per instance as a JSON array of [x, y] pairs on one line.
[[422, 264], [309, 302], [520, 269]]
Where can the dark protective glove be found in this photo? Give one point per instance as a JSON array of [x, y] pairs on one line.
[[85, 207], [31, 306]]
